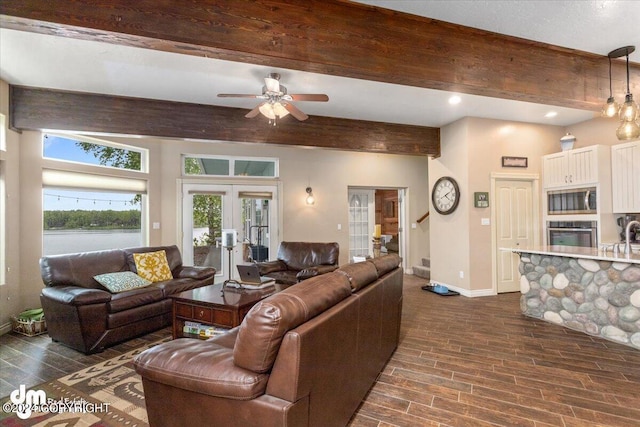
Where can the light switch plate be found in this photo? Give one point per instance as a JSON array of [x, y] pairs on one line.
[[485, 221]]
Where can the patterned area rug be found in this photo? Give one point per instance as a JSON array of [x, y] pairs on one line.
[[108, 394]]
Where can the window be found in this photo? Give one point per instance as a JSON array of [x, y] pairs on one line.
[[80, 221], [85, 209], [82, 149], [230, 166]]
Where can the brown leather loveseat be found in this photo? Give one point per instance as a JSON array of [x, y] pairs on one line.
[[86, 316], [299, 261], [306, 356]]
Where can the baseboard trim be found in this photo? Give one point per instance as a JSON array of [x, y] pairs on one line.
[[6, 328], [466, 292]]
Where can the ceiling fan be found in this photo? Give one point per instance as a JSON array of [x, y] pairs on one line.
[[276, 102]]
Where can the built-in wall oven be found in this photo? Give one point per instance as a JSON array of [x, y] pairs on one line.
[[572, 202], [572, 233]]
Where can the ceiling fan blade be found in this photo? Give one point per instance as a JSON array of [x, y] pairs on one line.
[[310, 97], [237, 95], [251, 114], [295, 111], [272, 84]]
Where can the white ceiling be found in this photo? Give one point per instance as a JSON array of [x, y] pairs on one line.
[[62, 63]]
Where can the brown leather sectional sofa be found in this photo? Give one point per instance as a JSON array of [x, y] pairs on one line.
[[85, 316], [298, 261], [305, 356]]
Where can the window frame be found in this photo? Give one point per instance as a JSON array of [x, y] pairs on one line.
[[144, 153], [232, 162]]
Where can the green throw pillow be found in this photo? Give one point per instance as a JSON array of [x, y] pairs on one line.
[[121, 281]]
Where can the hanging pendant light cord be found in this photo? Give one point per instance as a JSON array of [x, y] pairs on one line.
[[610, 83], [628, 92]]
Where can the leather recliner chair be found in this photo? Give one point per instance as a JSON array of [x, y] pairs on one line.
[[298, 261]]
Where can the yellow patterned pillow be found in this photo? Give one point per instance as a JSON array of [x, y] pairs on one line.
[[153, 266]]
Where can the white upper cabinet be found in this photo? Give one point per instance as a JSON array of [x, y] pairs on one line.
[[625, 174], [574, 167]]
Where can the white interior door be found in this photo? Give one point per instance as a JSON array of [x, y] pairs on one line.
[[207, 209], [514, 227], [361, 222]]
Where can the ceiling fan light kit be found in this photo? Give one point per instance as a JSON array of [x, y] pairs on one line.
[[276, 102], [628, 112]]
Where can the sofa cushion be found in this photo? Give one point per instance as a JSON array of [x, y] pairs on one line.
[[78, 269], [301, 255], [121, 281], [200, 366], [261, 331], [153, 266], [359, 274], [386, 263], [134, 298]]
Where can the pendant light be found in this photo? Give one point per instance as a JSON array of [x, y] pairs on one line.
[[628, 112]]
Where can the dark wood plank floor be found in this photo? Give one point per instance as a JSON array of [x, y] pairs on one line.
[[480, 362], [461, 362], [34, 360]]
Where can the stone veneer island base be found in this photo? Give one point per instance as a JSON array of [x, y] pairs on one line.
[[584, 291]]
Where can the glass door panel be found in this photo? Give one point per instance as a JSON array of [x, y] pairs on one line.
[[207, 230], [256, 238], [361, 217]]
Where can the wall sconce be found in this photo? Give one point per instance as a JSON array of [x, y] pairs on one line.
[[628, 112], [310, 199]]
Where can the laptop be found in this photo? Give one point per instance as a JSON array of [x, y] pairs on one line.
[[250, 275]]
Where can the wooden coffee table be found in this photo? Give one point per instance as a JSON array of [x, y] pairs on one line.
[[210, 305]]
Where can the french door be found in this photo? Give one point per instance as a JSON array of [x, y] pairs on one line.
[[207, 209]]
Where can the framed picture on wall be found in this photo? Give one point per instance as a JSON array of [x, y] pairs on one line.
[[481, 199], [515, 162]]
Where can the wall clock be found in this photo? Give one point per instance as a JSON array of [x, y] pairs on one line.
[[445, 195]]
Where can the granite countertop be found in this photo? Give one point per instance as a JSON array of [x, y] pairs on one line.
[[580, 252]]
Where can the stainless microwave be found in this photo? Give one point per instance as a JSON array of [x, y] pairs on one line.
[[571, 202]]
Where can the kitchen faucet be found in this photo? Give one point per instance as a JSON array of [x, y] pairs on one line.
[[627, 236]]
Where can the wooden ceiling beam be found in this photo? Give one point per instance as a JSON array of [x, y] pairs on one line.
[[337, 38], [38, 109]]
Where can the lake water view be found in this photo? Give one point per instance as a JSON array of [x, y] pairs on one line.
[[70, 241]]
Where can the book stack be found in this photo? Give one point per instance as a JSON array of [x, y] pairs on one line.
[[251, 285], [203, 331]]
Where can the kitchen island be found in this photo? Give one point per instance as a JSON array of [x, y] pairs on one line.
[[584, 289]]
